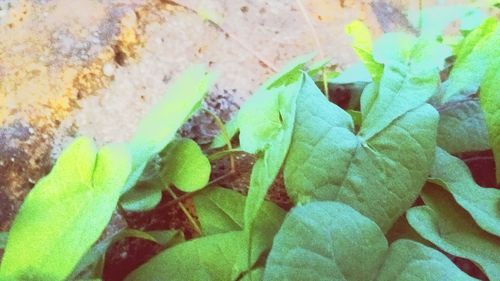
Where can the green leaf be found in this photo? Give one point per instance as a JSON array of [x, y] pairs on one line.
[[222, 254], [266, 125], [363, 47], [327, 161], [490, 102], [411, 77], [143, 197], [411, 261], [478, 50], [462, 127], [221, 210], [231, 128], [161, 123], [332, 241], [260, 117], [433, 21], [326, 241], [481, 203], [356, 73], [65, 212], [186, 165], [448, 226], [214, 257]]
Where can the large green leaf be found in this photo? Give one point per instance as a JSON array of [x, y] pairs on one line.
[[259, 119], [490, 102], [481, 203], [187, 168], [448, 226], [332, 241], [266, 124], [326, 241], [478, 50], [161, 123], [215, 257], [462, 127], [411, 261], [363, 47], [380, 177], [207, 258], [65, 212], [220, 210], [410, 78]]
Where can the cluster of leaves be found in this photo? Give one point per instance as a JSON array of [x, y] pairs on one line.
[[354, 174]]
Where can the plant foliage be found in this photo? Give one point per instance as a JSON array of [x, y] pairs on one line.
[[378, 187]]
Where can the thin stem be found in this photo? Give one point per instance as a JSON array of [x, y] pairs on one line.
[[185, 211], [224, 132], [191, 194], [317, 41], [217, 155]]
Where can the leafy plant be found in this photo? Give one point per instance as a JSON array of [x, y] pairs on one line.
[[379, 193]]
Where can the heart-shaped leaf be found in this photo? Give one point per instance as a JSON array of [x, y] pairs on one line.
[[327, 161], [65, 212], [187, 168]]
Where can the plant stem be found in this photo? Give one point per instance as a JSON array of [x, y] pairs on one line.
[[185, 211], [191, 194], [223, 130]]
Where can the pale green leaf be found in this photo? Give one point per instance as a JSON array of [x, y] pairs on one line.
[[363, 47], [356, 73], [266, 124], [259, 119], [65, 212], [326, 241], [478, 50], [490, 102], [161, 123], [215, 257], [143, 197], [221, 210], [187, 168], [411, 261], [462, 127], [481, 203], [410, 78], [448, 226], [327, 161]]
